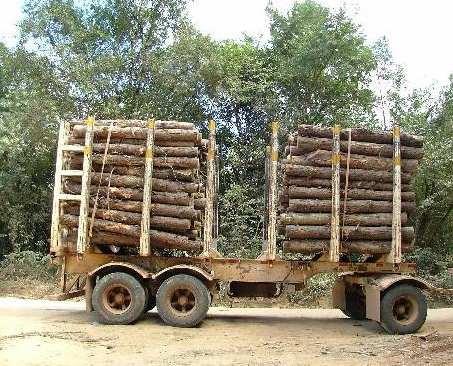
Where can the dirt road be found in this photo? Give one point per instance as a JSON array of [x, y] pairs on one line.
[[37, 332]]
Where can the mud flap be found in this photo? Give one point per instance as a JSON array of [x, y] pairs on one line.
[[373, 302]]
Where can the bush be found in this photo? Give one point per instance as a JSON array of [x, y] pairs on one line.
[[27, 265], [318, 289]]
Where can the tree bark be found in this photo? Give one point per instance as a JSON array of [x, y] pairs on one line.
[[353, 206], [358, 134], [353, 193], [376, 219], [354, 174], [309, 144], [140, 133], [133, 218], [127, 160], [139, 150], [139, 123], [349, 232], [319, 182], [172, 198], [324, 158], [362, 246]]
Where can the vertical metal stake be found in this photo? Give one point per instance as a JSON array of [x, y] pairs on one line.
[[210, 191]]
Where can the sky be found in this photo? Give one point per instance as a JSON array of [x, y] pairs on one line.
[[419, 32]]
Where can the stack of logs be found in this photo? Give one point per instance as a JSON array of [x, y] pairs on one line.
[[117, 179], [366, 219]]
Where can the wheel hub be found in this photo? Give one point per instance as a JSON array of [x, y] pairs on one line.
[[182, 300], [117, 299]]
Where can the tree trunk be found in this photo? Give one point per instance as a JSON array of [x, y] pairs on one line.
[[139, 150], [362, 246], [127, 160], [349, 232], [358, 134], [140, 133], [139, 123], [354, 174], [309, 144], [376, 219], [324, 158], [353, 206], [172, 198], [353, 193]]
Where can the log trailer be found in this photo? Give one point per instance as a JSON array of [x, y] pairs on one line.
[[120, 288]]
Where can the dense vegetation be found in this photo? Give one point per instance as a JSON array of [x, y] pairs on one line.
[[136, 59]]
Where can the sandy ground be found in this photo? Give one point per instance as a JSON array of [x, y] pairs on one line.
[[40, 332]]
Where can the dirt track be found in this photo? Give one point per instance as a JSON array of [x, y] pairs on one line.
[[36, 332]]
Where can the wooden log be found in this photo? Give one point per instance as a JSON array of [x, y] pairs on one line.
[[319, 182], [131, 141], [187, 175], [139, 123], [139, 150], [354, 174], [140, 133], [372, 219], [127, 160], [199, 203], [172, 198], [160, 209], [359, 134], [353, 193], [129, 181], [353, 206], [309, 144], [133, 218], [356, 246], [158, 240], [349, 232], [324, 158]]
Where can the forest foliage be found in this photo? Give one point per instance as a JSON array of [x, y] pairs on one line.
[[137, 59]]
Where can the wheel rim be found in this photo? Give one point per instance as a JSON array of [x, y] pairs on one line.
[[117, 299], [182, 301], [405, 309]]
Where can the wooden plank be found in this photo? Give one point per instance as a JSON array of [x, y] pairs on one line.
[[334, 251], [145, 246], [395, 254], [71, 173], [82, 234], [69, 197]]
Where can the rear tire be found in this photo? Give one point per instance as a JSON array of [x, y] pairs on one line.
[[403, 309], [118, 298], [182, 301]]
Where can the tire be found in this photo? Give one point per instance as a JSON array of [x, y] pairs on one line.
[[182, 301], [355, 303], [118, 298], [403, 309]]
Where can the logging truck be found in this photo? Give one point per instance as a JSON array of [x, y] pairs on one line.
[[106, 247]]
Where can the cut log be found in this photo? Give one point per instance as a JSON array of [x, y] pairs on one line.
[[349, 232], [363, 135], [139, 123], [139, 133], [199, 203], [363, 246], [354, 174], [308, 144], [139, 150], [133, 218], [319, 182], [353, 193], [132, 141], [353, 206], [158, 239], [159, 185], [172, 198], [376, 219], [127, 160], [324, 158]]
